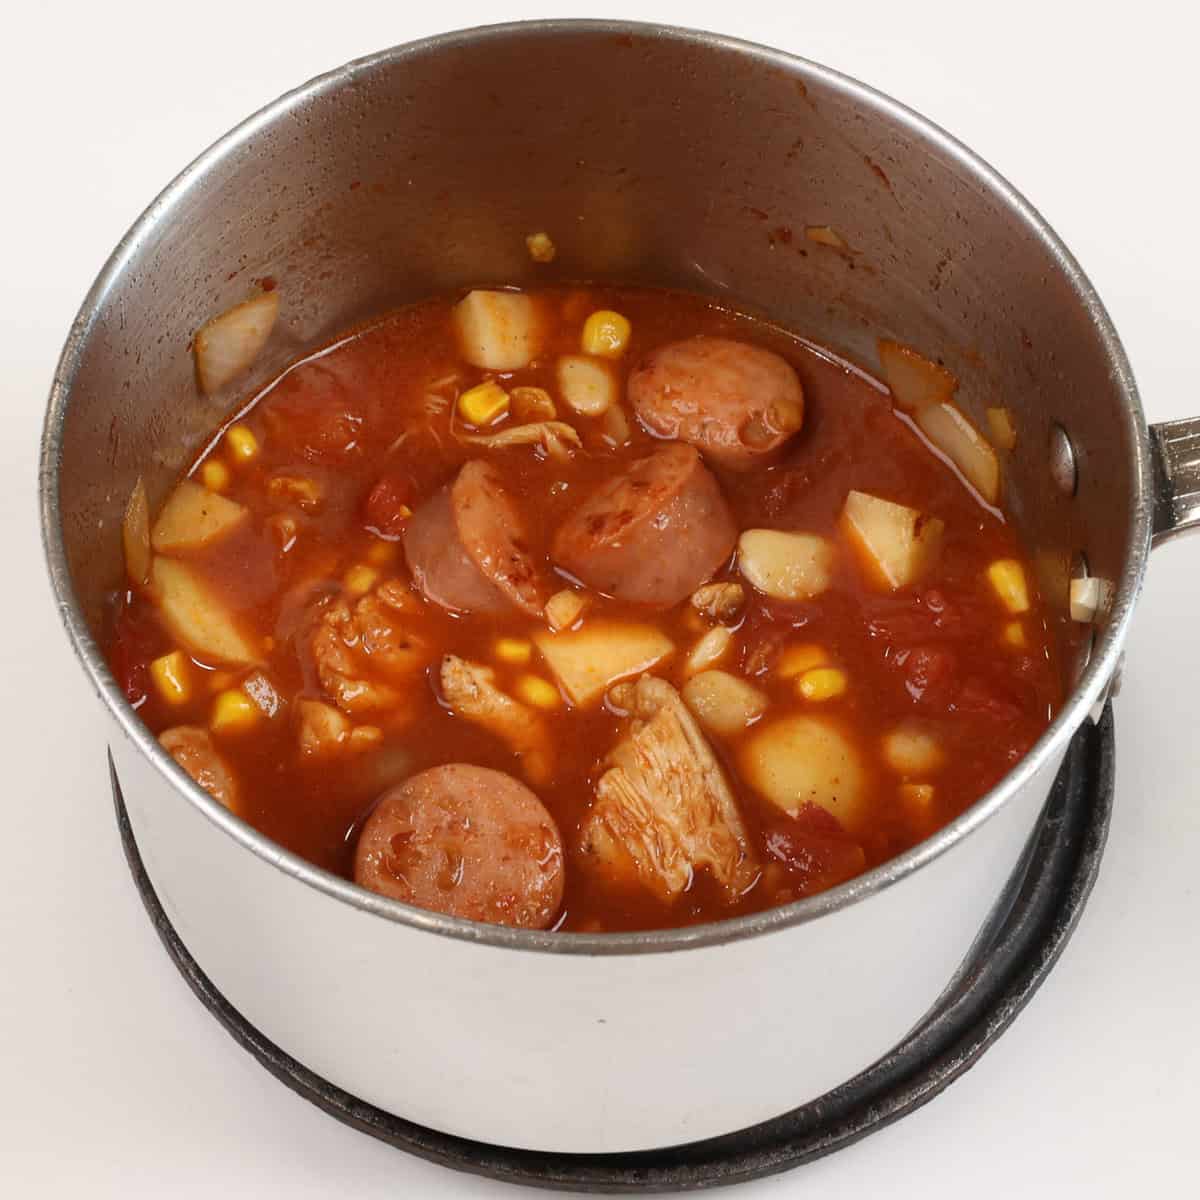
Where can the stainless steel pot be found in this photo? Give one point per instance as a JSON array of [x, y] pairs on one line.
[[655, 155]]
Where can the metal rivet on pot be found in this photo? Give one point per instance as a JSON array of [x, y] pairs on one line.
[[1063, 469]]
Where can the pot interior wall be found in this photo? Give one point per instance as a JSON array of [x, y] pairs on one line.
[[649, 157]]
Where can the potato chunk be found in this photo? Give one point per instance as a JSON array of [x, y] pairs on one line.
[[722, 702], [196, 617], [586, 662], [911, 750], [663, 807], [135, 535], [896, 543], [787, 566], [914, 381], [193, 517], [954, 435], [497, 331], [806, 760]]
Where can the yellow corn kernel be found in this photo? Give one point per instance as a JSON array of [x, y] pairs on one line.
[[243, 445], [233, 712], [513, 650], [796, 660], [918, 796], [821, 683], [1014, 633], [1007, 578], [533, 689], [484, 403], [214, 475], [360, 579], [173, 677], [382, 553], [605, 334], [541, 248]]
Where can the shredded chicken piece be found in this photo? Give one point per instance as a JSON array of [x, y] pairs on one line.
[[719, 601], [353, 646], [663, 807], [324, 730], [297, 489], [470, 691], [192, 748], [557, 438]]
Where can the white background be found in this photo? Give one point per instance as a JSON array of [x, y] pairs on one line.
[[113, 1079]]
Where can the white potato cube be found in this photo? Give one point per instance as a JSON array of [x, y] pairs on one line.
[[586, 662], [911, 750], [194, 517], [497, 331], [807, 760], [787, 566], [895, 543], [954, 435], [194, 614]]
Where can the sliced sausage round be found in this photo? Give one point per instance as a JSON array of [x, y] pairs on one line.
[[735, 402], [467, 841], [192, 748], [652, 535], [468, 550]]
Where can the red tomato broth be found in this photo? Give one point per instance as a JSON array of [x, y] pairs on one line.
[[357, 419]]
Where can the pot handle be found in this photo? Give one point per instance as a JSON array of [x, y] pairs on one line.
[[1175, 449]]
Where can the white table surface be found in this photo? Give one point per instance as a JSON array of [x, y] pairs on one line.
[[113, 1079]]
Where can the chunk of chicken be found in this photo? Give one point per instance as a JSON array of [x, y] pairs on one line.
[[192, 748], [324, 730], [720, 602], [556, 438], [470, 690], [663, 807], [354, 647]]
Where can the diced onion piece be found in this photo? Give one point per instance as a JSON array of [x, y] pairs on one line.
[[954, 435], [135, 535], [913, 380], [805, 760], [1090, 596], [723, 703], [541, 248], [587, 386], [564, 608], [586, 662], [196, 616], [911, 750], [228, 344], [825, 235], [1007, 578], [787, 566], [896, 543], [194, 517], [1002, 428], [710, 649], [497, 331], [262, 691]]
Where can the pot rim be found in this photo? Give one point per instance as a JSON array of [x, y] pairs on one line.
[[1087, 692]]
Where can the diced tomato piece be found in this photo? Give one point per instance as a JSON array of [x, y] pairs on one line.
[[930, 675], [312, 412], [389, 505], [988, 699], [816, 850]]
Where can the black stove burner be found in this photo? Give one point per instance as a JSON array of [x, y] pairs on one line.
[[1007, 967]]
